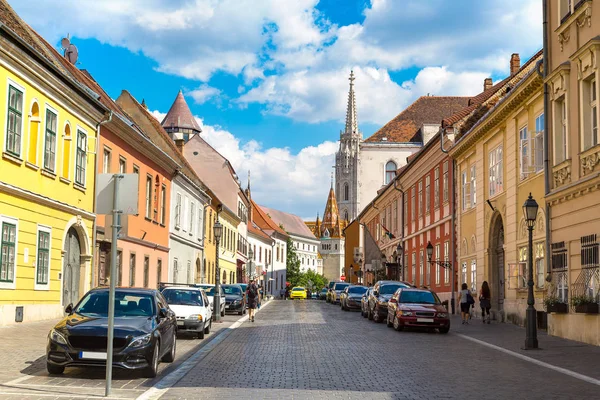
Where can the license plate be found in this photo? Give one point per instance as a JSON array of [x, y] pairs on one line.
[[226, 307], [424, 319], [180, 323], [92, 355]]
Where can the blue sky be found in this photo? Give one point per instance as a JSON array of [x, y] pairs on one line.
[[268, 78]]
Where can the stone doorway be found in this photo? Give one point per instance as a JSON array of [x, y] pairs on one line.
[[497, 266], [71, 268]]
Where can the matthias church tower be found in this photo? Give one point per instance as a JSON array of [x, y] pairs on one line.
[[346, 161]]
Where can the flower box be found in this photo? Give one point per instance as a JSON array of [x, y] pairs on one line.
[[558, 308], [587, 308]]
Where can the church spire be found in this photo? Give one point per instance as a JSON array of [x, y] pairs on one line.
[[351, 116]]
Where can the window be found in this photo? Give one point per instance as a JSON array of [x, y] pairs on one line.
[[473, 186], [437, 266], [131, 269], [119, 268], [50, 141], [414, 268], [474, 276], [540, 267], [106, 162], [148, 197], [346, 192], [590, 114], [445, 182], [560, 131], [136, 169], [560, 270], [446, 255], [200, 223], [390, 171], [158, 272], [413, 205], [15, 121], [538, 144], [395, 217], [421, 271], [464, 272], [146, 271], [522, 268], [588, 281], [566, 8], [7, 252], [420, 199], [427, 193], [524, 151], [122, 165], [81, 158], [192, 217], [496, 171], [163, 204], [346, 215], [436, 188], [43, 257], [466, 192]]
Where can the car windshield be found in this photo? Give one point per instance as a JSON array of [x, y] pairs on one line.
[[183, 297], [209, 290], [232, 290], [244, 286], [390, 288], [357, 290], [411, 296], [298, 289], [341, 286], [127, 304], [324, 290]]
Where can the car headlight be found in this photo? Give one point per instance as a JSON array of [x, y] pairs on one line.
[[57, 337], [407, 313], [236, 302], [442, 315], [195, 316], [141, 340]]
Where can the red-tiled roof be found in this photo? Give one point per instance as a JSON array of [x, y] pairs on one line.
[[264, 221], [180, 116], [292, 224], [255, 230], [425, 110]]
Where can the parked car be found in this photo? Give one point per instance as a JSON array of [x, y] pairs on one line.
[[364, 302], [314, 295], [144, 332], [192, 309], [298, 292], [351, 297], [330, 290], [209, 289], [337, 290], [378, 300], [412, 307], [323, 294], [235, 299]]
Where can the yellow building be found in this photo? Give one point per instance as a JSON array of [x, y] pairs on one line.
[[228, 245], [47, 177], [499, 161]]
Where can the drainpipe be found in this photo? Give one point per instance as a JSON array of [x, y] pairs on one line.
[[547, 170], [107, 118], [453, 224]]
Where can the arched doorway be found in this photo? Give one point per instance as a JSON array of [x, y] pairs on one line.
[[497, 264], [71, 268]]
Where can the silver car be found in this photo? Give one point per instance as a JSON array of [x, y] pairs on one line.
[[210, 293]]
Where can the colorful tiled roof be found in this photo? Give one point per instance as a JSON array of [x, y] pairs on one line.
[[180, 116]]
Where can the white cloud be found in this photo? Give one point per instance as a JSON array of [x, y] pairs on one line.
[[204, 93]]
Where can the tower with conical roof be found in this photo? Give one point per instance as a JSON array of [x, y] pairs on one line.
[[179, 122], [347, 160]]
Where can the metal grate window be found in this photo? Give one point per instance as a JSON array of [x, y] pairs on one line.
[[559, 256], [589, 252]]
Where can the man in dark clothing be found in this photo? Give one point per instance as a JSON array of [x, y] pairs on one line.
[[252, 296]]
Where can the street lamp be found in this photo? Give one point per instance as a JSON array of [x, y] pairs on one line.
[[218, 231], [444, 264], [530, 209], [249, 269]]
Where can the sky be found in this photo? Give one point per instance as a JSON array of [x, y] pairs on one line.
[[268, 79]]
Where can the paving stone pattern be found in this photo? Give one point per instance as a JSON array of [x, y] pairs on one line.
[[308, 349]]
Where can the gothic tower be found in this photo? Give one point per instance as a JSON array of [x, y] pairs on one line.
[[347, 159]]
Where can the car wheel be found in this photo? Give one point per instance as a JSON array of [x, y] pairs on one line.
[[241, 312], [201, 333], [444, 330], [388, 322], [397, 325], [170, 356], [207, 329], [376, 315], [54, 369], [151, 370], [223, 313]]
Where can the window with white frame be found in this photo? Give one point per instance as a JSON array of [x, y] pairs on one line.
[[463, 271], [178, 211], [522, 268], [414, 268], [43, 257], [524, 152], [565, 9], [474, 276], [148, 196], [538, 144], [420, 199], [427, 193], [496, 174], [395, 217], [445, 182], [466, 192], [163, 204], [560, 131], [590, 113], [405, 214], [50, 140], [201, 223], [14, 127], [8, 256], [131, 269], [473, 186], [437, 265], [436, 188], [413, 204], [446, 255], [390, 171], [81, 158], [540, 265], [531, 148], [421, 268], [192, 217], [106, 161]]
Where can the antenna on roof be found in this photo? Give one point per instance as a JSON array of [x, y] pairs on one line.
[[70, 50]]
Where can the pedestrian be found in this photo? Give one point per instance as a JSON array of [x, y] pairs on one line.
[[252, 296], [466, 300], [282, 293], [485, 301], [308, 294], [287, 292], [260, 295]]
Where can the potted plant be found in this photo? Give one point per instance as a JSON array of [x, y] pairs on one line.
[[555, 305], [584, 304]]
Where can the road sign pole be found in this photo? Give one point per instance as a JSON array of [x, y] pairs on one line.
[[113, 278]]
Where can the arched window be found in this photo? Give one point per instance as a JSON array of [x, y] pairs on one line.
[[346, 215], [346, 192], [34, 132], [390, 171], [66, 140]]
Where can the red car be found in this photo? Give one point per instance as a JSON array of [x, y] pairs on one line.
[[420, 308]]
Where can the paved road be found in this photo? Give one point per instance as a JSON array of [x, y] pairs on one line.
[[309, 349]]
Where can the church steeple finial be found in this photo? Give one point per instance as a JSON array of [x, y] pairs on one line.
[[351, 115]]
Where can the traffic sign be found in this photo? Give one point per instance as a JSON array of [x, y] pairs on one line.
[[343, 277]]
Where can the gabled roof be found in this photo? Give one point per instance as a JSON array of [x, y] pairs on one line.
[[180, 116], [425, 110], [256, 231], [264, 221], [293, 224]]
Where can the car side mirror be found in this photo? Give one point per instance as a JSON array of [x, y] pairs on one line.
[[69, 309], [375, 292], [163, 313]]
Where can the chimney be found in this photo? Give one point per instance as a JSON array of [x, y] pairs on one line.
[[487, 83], [515, 63], [180, 143]]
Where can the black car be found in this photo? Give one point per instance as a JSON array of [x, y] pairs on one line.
[[351, 297], [323, 294], [144, 332], [382, 292], [364, 302], [235, 299]]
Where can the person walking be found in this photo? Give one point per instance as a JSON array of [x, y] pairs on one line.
[[485, 301], [252, 296], [466, 300]]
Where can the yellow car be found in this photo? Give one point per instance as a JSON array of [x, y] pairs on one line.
[[298, 293]]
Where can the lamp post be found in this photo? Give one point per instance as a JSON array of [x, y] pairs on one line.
[[530, 209], [398, 253], [218, 230], [444, 264], [249, 269]]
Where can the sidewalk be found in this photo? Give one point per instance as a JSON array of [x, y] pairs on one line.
[[574, 356]]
